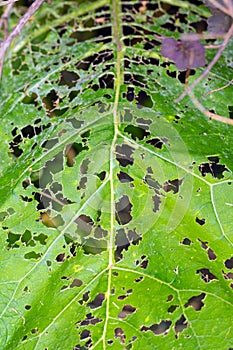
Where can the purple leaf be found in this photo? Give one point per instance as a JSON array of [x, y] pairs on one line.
[[220, 22], [185, 54]]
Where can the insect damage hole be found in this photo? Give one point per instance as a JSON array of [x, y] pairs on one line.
[[123, 210], [196, 302]]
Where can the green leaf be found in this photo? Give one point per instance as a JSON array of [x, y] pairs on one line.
[[116, 202]]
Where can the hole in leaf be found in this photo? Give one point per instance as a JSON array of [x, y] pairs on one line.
[[157, 142], [172, 185], [229, 263], [97, 302], [206, 275], [159, 328], [72, 151], [84, 225], [68, 78], [76, 283], [180, 325], [126, 310], [119, 333], [186, 241], [213, 168], [196, 302], [123, 210], [85, 334], [172, 308], [123, 155], [32, 255], [124, 177], [200, 221], [136, 132]]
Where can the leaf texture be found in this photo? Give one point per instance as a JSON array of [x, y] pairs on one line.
[[116, 203]]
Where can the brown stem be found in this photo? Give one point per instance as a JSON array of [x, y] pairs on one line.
[[17, 29], [207, 113], [7, 2], [209, 67]]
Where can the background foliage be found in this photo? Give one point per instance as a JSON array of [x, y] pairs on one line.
[[116, 202]]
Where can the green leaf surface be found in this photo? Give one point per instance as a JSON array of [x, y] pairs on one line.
[[116, 202]]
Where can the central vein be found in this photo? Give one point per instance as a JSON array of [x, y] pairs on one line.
[[116, 10]]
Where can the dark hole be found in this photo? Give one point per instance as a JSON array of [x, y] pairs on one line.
[[180, 325], [101, 175], [144, 264], [14, 146], [229, 263], [124, 177], [123, 155], [106, 81], [157, 143], [211, 254], [76, 283], [230, 109], [186, 241], [144, 99], [84, 35], [213, 168], [200, 221], [123, 210], [72, 151], [118, 332], [123, 241], [60, 257], [158, 329], [68, 78], [127, 310], [172, 308], [85, 334], [157, 202], [84, 224], [182, 75], [172, 185], [51, 101], [206, 275], [139, 279], [97, 302], [136, 132], [196, 302]]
